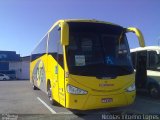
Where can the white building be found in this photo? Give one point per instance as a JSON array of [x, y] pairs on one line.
[[21, 67]]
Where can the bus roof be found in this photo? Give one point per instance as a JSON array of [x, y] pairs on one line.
[[89, 20], [74, 20], [81, 20], [146, 48]]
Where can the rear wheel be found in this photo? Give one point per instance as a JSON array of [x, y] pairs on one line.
[[49, 92], [154, 91], [4, 79], [34, 87]]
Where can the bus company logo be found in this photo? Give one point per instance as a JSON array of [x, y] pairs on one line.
[[39, 72]]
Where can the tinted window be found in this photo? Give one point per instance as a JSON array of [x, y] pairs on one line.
[[97, 49], [60, 55], [54, 46], [154, 60], [54, 38], [40, 49]]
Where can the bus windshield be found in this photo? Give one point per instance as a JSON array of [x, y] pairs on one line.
[[97, 49]]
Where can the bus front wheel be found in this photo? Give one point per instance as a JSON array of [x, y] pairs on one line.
[[154, 91]]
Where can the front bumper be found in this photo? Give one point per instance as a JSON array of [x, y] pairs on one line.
[[87, 102]]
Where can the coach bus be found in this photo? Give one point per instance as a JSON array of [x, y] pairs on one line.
[[85, 64], [146, 62]]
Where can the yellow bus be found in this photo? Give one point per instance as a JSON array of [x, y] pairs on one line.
[[85, 64]]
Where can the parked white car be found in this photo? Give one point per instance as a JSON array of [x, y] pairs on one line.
[[4, 77]]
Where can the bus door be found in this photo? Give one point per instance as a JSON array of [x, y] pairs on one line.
[[61, 75], [141, 71]]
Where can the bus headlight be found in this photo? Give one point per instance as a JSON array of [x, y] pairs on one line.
[[74, 90], [131, 88]]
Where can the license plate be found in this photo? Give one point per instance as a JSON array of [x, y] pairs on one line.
[[106, 100]]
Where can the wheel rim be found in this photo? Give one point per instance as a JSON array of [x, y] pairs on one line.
[[154, 91], [33, 86]]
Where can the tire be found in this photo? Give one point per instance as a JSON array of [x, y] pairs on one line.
[[4, 79], [34, 87], [154, 91], [49, 92]]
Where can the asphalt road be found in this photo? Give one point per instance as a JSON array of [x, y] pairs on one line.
[[17, 99]]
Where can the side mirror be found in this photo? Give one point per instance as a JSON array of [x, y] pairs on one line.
[[64, 33], [138, 34]]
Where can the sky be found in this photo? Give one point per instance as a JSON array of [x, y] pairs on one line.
[[24, 22]]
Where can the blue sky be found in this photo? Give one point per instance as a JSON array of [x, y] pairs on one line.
[[24, 22]]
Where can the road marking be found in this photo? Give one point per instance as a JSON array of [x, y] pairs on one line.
[[49, 108], [65, 112]]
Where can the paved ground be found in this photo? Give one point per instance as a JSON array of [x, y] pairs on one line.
[[17, 99]]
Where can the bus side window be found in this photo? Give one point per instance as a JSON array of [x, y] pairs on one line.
[[60, 55], [54, 38], [40, 49]]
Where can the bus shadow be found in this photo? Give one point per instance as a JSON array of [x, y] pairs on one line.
[[146, 95]]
